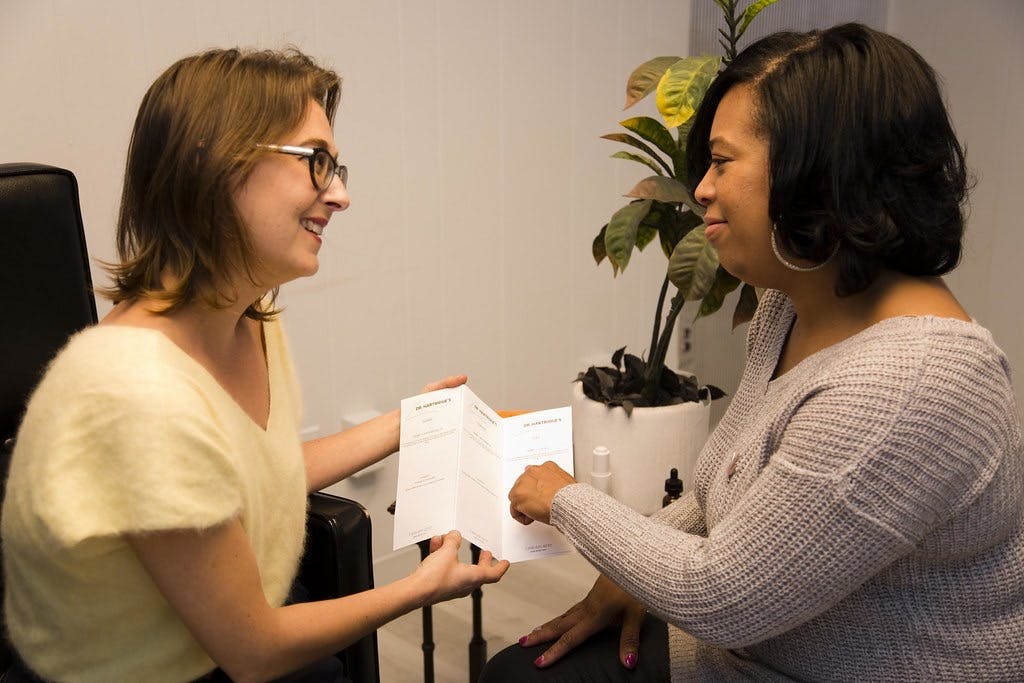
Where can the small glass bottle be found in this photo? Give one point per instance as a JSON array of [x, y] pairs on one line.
[[673, 487]]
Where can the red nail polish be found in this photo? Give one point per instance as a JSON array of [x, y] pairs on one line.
[[630, 660], [538, 661], [522, 641]]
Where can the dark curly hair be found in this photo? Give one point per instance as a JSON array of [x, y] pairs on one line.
[[862, 155]]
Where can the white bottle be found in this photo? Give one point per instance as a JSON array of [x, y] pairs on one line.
[[600, 470]]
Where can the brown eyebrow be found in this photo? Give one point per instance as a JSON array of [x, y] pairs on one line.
[[319, 142], [718, 140]]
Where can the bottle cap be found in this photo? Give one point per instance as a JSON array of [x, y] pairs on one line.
[[600, 464], [673, 485]]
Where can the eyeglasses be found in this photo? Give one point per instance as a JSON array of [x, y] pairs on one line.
[[322, 166]]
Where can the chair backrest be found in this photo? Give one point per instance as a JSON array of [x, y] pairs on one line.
[[45, 286], [45, 289]]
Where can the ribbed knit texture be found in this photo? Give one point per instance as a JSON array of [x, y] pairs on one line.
[[127, 433], [871, 528]]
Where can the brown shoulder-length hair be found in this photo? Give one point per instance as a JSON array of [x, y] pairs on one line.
[[192, 146]]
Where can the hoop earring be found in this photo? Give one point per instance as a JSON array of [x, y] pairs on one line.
[[793, 266]]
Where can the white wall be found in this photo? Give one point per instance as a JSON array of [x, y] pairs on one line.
[[478, 179], [978, 50]]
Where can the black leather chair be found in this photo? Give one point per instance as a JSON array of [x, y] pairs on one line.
[[46, 296]]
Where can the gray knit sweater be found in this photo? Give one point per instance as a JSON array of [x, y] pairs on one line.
[[858, 518]]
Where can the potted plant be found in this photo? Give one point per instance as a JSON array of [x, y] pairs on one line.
[[636, 404]]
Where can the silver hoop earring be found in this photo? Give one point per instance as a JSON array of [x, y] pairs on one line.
[[793, 266]]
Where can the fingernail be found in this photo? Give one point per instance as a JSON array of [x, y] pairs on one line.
[[630, 660], [539, 661], [522, 641]]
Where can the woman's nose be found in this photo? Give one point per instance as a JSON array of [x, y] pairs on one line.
[[705, 190], [336, 195]]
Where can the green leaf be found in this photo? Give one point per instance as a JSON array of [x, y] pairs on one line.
[[645, 234], [621, 234], [750, 13], [679, 156], [645, 78], [725, 282], [646, 161], [681, 223], [693, 265], [665, 190], [683, 86], [639, 144], [653, 132], [661, 188], [746, 306], [597, 248]]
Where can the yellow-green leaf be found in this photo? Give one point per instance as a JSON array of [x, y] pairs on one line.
[[750, 13], [652, 131], [645, 78], [682, 87]]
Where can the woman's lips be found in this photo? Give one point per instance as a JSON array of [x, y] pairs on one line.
[[712, 230]]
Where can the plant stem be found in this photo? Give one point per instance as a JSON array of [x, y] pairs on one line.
[[652, 376], [732, 21], [657, 318]]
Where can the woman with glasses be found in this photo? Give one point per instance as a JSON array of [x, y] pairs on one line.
[[155, 511]]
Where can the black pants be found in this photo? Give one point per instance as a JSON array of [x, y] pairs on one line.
[[596, 660]]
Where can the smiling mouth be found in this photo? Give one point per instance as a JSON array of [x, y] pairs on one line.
[[312, 227]]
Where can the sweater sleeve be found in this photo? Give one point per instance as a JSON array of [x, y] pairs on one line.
[[683, 514], [854, 475], [114, 453]]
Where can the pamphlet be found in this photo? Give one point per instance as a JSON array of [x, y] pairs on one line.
[[457, 461]]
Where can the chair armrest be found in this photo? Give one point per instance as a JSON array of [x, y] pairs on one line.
[[338, 561]]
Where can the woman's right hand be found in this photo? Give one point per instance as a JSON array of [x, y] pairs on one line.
[[444, 577], [605, 604]]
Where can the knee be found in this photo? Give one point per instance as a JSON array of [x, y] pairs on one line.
[[512, 665]]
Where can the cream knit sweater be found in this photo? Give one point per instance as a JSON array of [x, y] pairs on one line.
[[870, 529], [126, 433]]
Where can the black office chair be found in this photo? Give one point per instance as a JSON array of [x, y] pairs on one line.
[[46, 296]]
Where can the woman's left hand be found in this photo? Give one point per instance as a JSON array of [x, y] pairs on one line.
[[534, 490], [446, 383]]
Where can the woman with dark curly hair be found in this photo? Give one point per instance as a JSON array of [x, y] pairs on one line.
[[857, 514]]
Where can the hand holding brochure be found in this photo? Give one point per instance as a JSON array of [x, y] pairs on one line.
[[457, 461]]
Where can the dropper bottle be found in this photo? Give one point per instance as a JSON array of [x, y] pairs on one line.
[[673, 487]]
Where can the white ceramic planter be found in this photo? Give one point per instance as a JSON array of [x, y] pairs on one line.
[[644, 446]]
